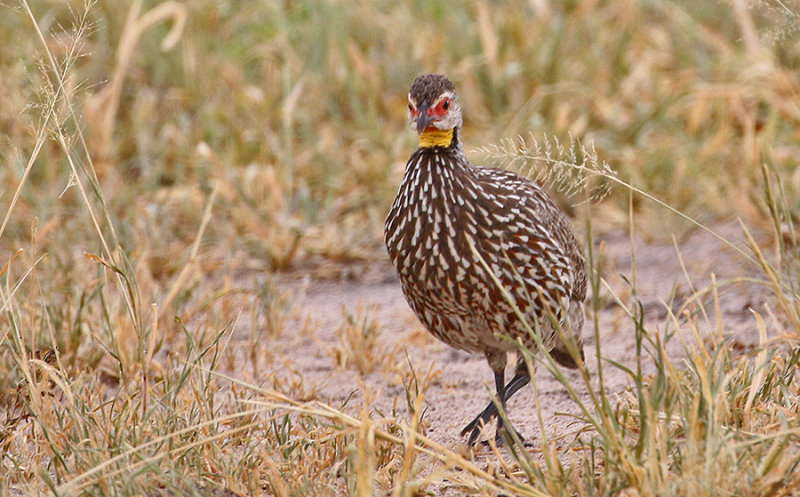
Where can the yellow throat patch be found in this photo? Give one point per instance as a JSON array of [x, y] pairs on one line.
[[435, 138]]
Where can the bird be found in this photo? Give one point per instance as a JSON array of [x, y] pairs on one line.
[[467, 241]]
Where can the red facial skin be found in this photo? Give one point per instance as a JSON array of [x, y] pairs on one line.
[[432, 114]]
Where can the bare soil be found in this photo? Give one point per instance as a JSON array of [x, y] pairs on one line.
[[303, 357]]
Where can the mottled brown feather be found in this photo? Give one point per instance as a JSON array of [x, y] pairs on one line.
[[445, 212]]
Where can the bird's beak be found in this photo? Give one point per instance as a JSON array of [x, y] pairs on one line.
[[424, 119]]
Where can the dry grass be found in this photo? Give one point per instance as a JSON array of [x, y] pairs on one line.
[[156, 154], [359, 346]]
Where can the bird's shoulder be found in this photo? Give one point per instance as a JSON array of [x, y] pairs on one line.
[[520, 195], [539, 220]]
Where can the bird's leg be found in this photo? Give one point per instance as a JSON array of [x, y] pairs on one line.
[[497, 362], [502, 426], [504, 392], [475, 426], [520, 379]]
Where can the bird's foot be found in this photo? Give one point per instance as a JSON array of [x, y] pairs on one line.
[[475, 427], [503, 434]]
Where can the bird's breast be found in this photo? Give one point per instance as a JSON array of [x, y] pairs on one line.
[[432, 224]]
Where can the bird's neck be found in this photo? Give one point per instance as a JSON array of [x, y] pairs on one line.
[[434, 137], [434, 159], [441, 143]]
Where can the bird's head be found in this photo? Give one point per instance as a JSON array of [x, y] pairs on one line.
[[433, 105]]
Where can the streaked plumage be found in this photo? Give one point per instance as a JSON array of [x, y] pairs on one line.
[[446, 211]]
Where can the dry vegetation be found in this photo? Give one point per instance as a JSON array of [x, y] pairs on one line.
[[157, 155]]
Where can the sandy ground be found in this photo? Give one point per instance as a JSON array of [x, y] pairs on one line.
[[322, 295]]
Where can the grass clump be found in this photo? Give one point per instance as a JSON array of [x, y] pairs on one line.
[[156, 156], [359, 344]]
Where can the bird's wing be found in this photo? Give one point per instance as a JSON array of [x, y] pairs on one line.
[[534, 242]]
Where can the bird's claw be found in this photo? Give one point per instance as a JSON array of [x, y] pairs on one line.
[[475, 427]]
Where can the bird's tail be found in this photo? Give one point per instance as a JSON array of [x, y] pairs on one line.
[[560, 352], [561, 355]]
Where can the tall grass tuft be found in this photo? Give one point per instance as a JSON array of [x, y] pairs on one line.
[[155, 155]]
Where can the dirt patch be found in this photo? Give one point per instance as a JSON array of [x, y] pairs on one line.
[[307, 356]]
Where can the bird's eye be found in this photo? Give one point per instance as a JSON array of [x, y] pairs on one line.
[[446, 104]]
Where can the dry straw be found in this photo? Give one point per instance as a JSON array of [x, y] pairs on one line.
[[570, 169]]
